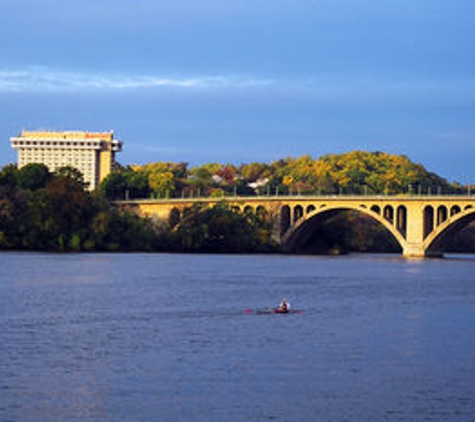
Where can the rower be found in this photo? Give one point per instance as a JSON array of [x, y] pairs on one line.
[[284, 306]]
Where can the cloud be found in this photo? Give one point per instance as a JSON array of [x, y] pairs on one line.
[[36, 79], [326, 88]]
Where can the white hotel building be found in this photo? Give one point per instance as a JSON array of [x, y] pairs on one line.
[[92, 153]]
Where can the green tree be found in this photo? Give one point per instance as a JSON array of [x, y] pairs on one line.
[[8, 176], [33, 176], [137, 185], [73, 174], [218, 229], [114, 186]]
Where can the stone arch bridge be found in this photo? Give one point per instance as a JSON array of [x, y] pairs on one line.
[[420, 224]]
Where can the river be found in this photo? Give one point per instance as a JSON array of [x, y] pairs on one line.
[[164, 337]]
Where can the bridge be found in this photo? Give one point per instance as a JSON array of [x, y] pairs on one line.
[[421, 225]]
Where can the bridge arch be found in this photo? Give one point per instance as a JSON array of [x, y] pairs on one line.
[[442, 214], [305, 226], [435, 242], [248, 209], [389, 213], [428, 220], [284, 223], [298, 213], [261, 211], [376, 209], [455, 210], [401, 220]]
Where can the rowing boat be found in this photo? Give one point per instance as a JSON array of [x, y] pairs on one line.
[[272, 311]]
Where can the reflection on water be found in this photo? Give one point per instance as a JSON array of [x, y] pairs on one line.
[[101, 337]]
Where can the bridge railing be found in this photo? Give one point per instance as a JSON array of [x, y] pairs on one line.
[[418, 191], [303, 197]]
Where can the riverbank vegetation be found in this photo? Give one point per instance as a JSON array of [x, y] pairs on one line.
[[47, 211], [40, 210], [54, 211]]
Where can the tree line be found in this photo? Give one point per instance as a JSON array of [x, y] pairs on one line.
[[356, 172], [54, 211]]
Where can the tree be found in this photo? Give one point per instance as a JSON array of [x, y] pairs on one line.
[[137, 185], [69, 206], [219, 229], [114, 186], [33, 176], [254, 171], [227, 174], [162, 183], [73, 174], [7, 219], [8, 175]]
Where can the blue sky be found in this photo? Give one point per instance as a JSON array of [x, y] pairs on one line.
[[237, 81]]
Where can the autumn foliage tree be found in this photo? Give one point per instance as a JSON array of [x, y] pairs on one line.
[[355, 172]]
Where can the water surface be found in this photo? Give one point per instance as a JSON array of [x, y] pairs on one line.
[[158, 337]]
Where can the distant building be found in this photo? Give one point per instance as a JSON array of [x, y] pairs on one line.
[[92, 153]]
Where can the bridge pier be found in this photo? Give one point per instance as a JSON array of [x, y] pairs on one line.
[[414, 250], [418, 224], [413, 244]]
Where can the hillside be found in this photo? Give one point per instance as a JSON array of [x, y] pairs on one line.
[[356, 172]]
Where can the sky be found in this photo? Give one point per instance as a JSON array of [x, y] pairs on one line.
[[240, 81]]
